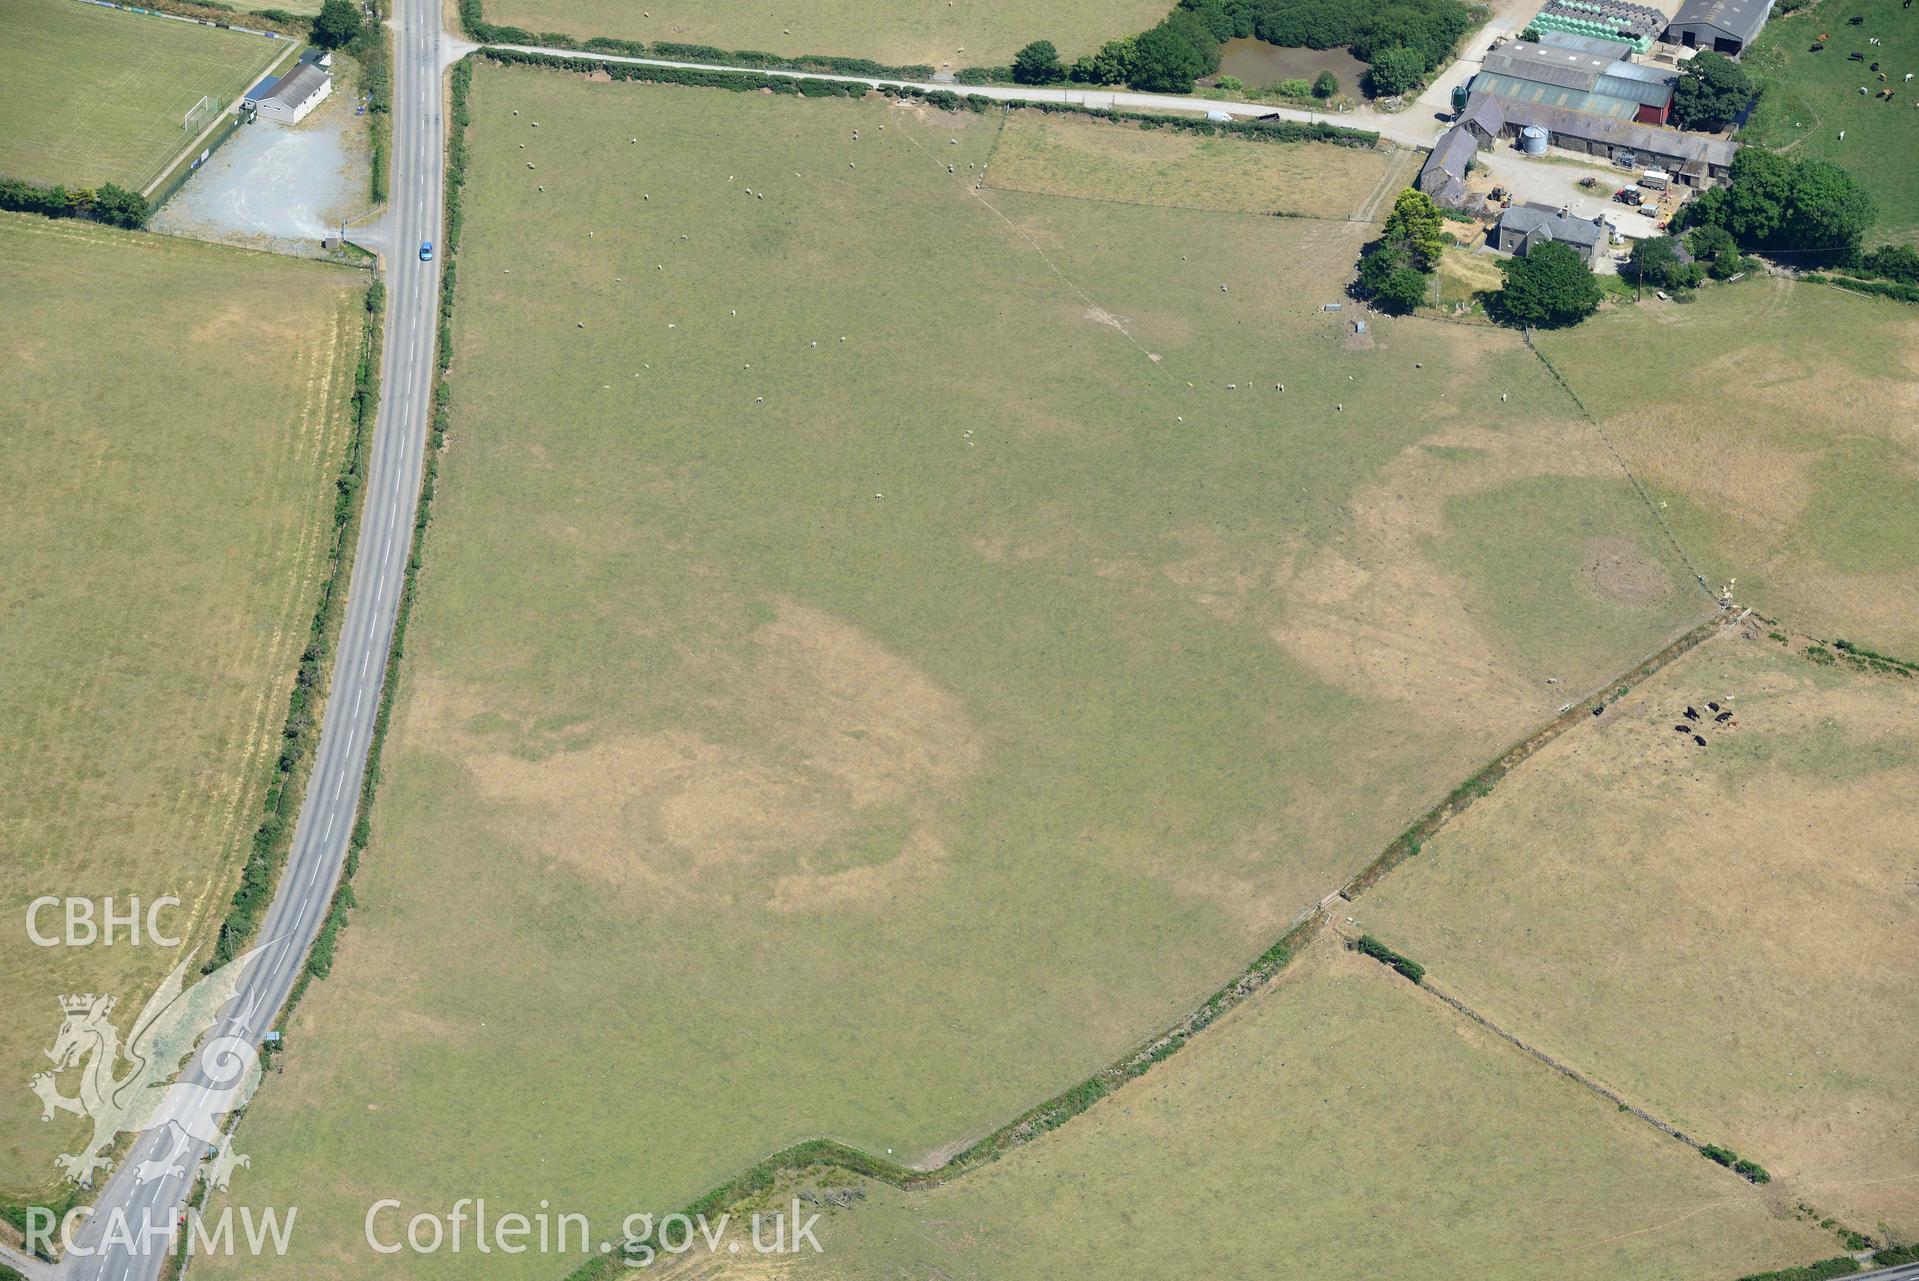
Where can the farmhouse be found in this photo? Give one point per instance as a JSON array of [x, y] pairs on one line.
[[1524, 228], [289, 98], [1724, 26]]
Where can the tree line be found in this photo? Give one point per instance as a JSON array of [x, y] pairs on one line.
[[108, 203], [1403, 40]]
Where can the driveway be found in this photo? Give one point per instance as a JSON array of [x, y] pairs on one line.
[[278, 187]]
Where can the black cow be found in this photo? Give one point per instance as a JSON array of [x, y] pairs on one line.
[[1723, 717], [1683, 729], [1692, 714], [1712, 707], [1698, 740]]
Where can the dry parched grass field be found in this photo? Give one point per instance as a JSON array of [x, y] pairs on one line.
[[885, 648], [1724, 934], [1780, 426], [174, 416], [1342, 1125], [95, 95], [897, 32]]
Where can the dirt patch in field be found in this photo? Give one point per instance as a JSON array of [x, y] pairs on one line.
[[842, 727], [1379, 618], [1623, 572], [868, 718], [871, 888]]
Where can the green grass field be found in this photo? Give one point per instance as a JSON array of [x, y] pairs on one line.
[[1811, 97], [1342, 1125], [1724, 934], [885, 647], [174, 416], [909, 31], [95, 95], [1773, 419], [1076, 156]]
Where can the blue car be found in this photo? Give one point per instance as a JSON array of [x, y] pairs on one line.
[[426, 251]]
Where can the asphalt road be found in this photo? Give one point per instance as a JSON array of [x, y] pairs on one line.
[[391, 499]]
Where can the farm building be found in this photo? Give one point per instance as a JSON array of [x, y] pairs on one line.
[[1524, 228], [1443, 177], [1578, 73], [289, 98], [1694, 160], [1724, 26], [1637, 25], [1483, 119]]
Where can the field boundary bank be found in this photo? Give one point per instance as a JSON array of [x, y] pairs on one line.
[[1060, 1108], [474, 24], [1606, 438], [1566, 1070], [625, 67], [1306, 923], [306, 704]]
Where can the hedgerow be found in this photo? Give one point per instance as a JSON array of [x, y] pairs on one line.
[[275, 832], [1372, 947]]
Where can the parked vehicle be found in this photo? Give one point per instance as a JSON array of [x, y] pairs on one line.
[[426, 251]]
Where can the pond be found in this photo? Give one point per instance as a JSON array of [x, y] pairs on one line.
[[1259, 64]]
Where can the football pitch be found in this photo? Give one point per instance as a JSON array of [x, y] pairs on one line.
[[96, 95]]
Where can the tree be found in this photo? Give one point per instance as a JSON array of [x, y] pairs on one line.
[[1550, 287], [1325, 85], [1037, 64], [1655, 262], [1229, 84], [1395, 71], [1168, 58], [1894, 262], [1811, 209], [1389, 278], [1827, 214], [1713, 246], [1403, 290], [1711, 91], [115, 204], [1113, 64], [1416, 222], [337, 24], [1378, 265]]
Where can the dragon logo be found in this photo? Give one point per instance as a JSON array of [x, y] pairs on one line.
[[147, 1096]]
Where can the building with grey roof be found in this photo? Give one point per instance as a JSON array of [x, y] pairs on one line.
[[1443, 177], [1523, 228], [293, 95], [1696, 160], [1724, 26], [1578, 73]]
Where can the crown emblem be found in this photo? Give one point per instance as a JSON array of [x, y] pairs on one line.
[[81, 1004]]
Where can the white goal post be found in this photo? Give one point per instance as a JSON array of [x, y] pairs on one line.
[[197, 113]]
